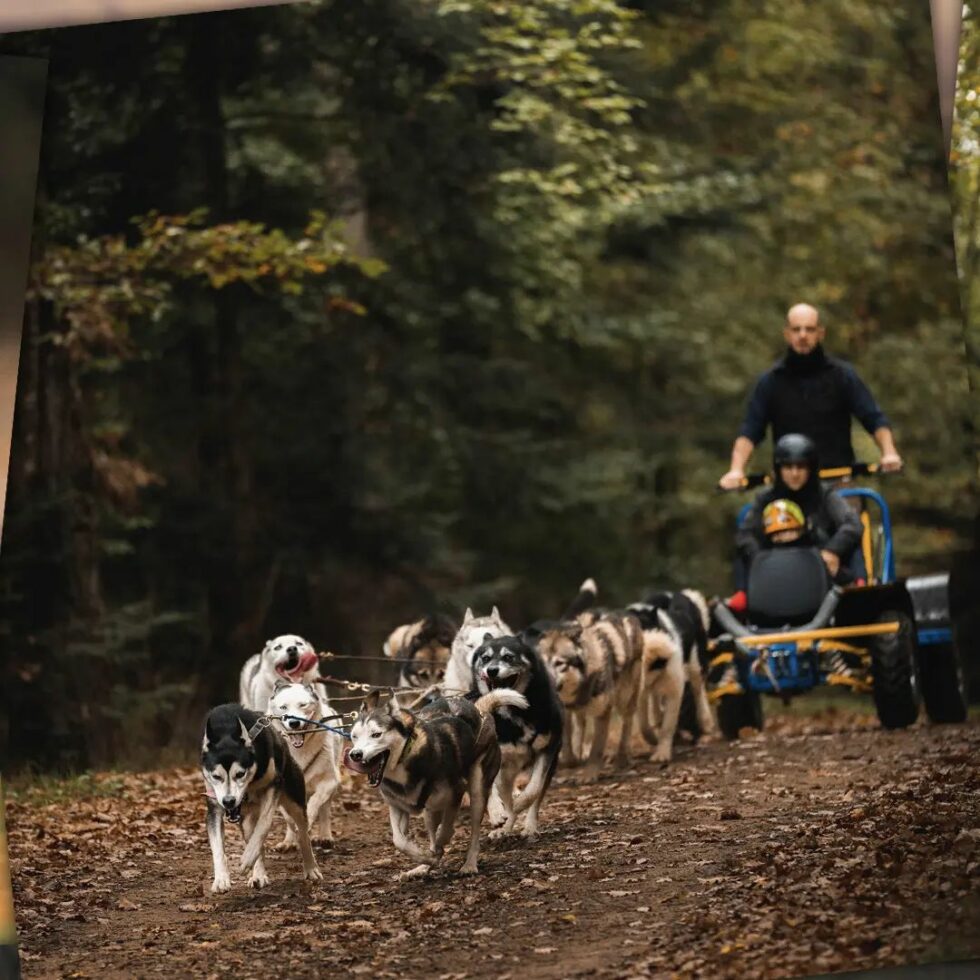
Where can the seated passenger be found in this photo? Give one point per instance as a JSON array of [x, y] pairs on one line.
[[797, 496]]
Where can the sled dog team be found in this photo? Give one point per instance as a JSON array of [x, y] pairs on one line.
[[486, 705]]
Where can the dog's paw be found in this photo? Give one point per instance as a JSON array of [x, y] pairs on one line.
[[313, 874], [258, 879], [590, 774], [622, 762], [469, 868], [221, 883], [530, 833], [662, 756], [286, 844]]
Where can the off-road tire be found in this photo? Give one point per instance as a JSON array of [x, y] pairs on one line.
[[894, 671], [738, 711], [943, 683]]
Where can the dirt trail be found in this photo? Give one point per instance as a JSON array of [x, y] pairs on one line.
[[823, 845]]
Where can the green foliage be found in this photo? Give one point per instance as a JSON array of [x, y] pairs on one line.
[[99, 285]]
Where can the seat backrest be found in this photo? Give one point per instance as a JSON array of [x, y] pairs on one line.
[[786, 586]]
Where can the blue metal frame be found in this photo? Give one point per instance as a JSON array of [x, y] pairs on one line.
[[887, 570], [794, 671]]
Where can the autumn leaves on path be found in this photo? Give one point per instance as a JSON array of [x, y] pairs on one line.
[[824, 845]]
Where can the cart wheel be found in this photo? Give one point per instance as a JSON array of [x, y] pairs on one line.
[[894, 672], [738, 711], [943, 683]]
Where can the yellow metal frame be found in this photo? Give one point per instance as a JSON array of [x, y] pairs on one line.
[[828, 633], [866, 549], [855, 683], [839, 472]]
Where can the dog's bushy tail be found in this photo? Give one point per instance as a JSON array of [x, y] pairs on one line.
[[587, 593], [501, 698]]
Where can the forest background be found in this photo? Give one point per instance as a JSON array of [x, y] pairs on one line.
[[344, 313]]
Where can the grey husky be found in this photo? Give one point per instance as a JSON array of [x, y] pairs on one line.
[[424, 761]]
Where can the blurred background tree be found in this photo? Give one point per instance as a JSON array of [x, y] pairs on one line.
[[439, 303]]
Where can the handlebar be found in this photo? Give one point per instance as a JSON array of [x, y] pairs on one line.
[[833, 473]]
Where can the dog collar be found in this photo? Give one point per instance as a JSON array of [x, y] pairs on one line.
[[406, 747]]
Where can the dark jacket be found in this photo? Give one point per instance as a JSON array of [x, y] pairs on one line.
[[815, 395], [831, 524]]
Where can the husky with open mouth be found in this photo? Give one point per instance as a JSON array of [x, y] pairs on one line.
[[529, 738], [289, 658], [248, 773], [317, 752], [424, 761]]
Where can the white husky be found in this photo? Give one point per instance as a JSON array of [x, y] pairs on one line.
[[474, 632], [316, 751], [289, 658]]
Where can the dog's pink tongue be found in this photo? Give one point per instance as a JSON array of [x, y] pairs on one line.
[[307, 661]]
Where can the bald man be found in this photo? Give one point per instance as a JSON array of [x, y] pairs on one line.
[[809, 391]]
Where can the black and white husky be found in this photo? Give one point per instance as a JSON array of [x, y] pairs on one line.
[[289, 658], [248, 773], [317, 752], [530, 738], [424, 761], [675, 647]]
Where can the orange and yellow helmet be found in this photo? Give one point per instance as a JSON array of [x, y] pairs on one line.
[[782, 515]]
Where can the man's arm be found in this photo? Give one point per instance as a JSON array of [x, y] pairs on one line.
[[753, 431], [890, 460], [741, 452], [868, 412]]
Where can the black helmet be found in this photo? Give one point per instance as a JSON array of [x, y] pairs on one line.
[[795, 448]]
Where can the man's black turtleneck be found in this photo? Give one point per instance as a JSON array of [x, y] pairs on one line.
[[814, 394]]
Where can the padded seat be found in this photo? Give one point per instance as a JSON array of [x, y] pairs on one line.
[[786, 586]]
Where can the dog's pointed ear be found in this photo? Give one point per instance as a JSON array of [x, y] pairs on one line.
[[468, 616], [371, 701], [205, 742], [246, 738], [495, 616], [394, 704]]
